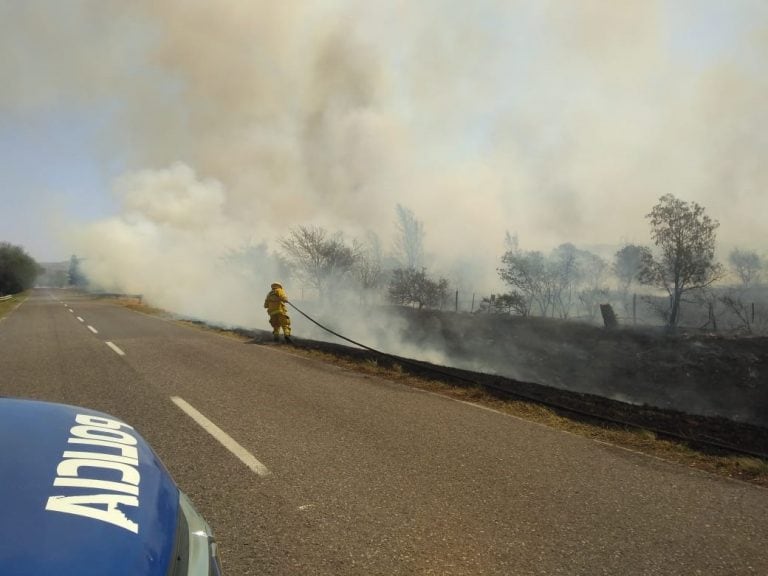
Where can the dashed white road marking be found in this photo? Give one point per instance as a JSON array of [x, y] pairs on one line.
[[81, 320], [70, 309], [115, 348], [92, 329], [225, 439]]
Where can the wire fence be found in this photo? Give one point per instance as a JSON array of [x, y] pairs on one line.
[[607, 308]]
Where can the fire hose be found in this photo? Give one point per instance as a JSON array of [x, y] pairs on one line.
[[528, 398]]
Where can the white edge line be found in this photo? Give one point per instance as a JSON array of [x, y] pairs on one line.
[[92, 329], [225, 439], [115, 348]]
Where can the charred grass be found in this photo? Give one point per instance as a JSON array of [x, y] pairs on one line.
[[642, 428]]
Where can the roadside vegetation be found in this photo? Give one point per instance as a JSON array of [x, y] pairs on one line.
[[18, 270], [9, 304], [676, 281]]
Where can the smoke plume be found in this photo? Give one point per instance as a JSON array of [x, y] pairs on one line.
[[224, 123]]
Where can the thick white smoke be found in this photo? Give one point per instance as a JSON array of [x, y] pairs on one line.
[[173, 245], [235, 120]]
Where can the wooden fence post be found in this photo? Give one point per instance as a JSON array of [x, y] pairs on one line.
[[609, 317], [634, 308]]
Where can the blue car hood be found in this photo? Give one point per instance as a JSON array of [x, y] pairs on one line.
[[81, 493]]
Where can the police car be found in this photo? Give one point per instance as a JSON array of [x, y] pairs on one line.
[[81, 493]]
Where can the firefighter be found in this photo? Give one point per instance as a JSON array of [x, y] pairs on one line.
[[278, 314]]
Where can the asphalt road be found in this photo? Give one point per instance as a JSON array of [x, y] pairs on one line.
[[365, 476]]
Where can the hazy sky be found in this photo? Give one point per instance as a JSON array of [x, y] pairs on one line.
[[167, 125]]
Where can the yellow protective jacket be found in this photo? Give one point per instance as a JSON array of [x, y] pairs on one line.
[[274, 302]]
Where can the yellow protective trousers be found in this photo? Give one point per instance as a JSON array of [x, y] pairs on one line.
[[280, 320]]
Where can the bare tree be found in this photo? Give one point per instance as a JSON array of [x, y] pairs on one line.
[[575, 273], [409, 242], [593, 289], [565, 273], [320, 259], [746, 265], [549, 285], [368, 269], [739, 300], [685, 238]]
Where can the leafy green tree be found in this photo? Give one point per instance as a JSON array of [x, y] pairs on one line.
[[527, 273], [18, 270], [509, 303], [407, 286], [684, 236], [76, 276]]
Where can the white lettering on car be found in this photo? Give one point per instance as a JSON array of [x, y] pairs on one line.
[[123, 490]]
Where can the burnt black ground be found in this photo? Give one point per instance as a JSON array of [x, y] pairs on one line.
[[693, 372], [696, 385]]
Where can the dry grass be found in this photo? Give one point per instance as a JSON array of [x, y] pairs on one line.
[[7, 305], [138, 305], [748, 469]]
